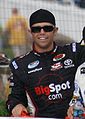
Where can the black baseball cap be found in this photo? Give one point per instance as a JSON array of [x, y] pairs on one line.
[[42, 15]]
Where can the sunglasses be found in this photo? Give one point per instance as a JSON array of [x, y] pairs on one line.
[[37, 29]]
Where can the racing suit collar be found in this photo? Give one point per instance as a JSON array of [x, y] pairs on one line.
[[45, 53]]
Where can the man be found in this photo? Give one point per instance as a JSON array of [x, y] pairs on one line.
[[82, 42], [79, 92], [17, 30], [46, 74]]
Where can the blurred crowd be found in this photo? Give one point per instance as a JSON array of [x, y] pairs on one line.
[[15, 34]]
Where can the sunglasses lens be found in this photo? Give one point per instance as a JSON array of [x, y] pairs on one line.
[[37, 29], [48, 28]]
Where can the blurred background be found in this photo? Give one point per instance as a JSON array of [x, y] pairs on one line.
[[70, 18], [16, 39]]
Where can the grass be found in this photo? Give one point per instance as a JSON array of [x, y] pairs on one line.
[[3, 110]]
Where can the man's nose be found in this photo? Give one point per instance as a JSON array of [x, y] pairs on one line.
[[42, 30]]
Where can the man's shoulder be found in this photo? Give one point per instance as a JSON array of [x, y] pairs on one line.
[[20, 61], [73, 46]]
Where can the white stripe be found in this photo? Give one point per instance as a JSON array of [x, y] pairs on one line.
[[31, 105], [81, 80]]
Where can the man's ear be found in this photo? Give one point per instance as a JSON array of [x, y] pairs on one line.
[[29, 30], [56, 28]]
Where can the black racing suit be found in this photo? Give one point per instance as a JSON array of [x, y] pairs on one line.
[[48, 78]]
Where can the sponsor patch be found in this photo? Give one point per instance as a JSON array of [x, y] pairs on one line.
[[33, 64], [35, 70], [68, 63], [76, 91], [52, 91], [58, 57], [56, 66], [15, 65], [74, 47], [82, 70]]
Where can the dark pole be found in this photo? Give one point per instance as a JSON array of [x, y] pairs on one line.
[[83, 34]]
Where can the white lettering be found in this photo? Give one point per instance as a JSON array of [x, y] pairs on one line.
[[55, 96], [59, 87], [52, 88], [34, 70]]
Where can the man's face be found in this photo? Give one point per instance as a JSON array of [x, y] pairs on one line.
[[43, 34]]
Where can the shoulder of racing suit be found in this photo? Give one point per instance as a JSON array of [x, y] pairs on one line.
[[18, 62]]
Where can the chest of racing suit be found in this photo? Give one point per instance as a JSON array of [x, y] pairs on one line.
[[48, 79]]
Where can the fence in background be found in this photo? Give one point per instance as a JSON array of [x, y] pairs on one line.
[[69, 18]]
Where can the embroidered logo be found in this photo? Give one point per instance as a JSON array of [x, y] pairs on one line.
[[15, 65], [56, 66], [58, 57], [33, 64]]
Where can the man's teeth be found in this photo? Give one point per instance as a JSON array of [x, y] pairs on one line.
[[42, 38]]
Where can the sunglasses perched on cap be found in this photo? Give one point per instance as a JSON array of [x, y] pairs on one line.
[[37, 29]]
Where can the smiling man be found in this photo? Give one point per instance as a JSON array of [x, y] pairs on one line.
[[45, 76]]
